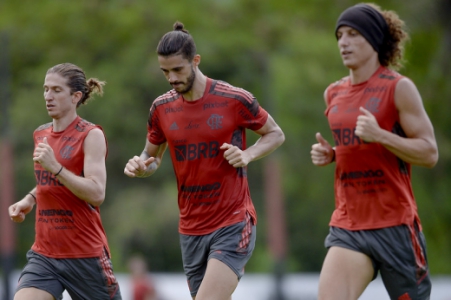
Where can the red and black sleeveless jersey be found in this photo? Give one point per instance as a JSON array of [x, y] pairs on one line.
[[66, 226], [211, 193], [372, 185]]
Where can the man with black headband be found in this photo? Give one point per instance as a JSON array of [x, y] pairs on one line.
[[380, 129]]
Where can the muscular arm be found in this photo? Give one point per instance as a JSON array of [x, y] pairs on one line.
[[419, 146], [91, 187], [271, 138]]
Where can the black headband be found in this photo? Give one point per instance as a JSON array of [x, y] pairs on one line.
[[367, 20]]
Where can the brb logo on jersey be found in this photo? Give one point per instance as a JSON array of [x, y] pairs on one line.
[[346, 137], [44, 177], [196, 151]]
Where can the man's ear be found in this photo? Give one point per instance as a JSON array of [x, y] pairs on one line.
[[76, 97], [196, 60]]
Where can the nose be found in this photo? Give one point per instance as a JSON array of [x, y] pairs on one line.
[[48, 96], [343, 41], [172, 77]]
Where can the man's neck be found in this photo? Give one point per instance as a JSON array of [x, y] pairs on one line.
[[364, 72], [62, 123], [198, 89]]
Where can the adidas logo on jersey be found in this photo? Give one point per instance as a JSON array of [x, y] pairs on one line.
[[174, 126]]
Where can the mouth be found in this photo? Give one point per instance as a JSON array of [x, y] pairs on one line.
[[345, 53]]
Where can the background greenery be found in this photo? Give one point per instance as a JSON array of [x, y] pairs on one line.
[[283, 51]]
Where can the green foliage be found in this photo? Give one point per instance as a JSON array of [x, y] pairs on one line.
[[283, 51], [143, 220]]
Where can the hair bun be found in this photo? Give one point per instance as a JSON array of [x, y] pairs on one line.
[[178, 26]]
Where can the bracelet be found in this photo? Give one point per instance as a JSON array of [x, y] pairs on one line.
[[333, 157], [32, 196], [57, 173]]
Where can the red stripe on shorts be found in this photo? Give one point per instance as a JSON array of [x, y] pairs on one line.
[[109, 275], [419, 254], [245, 234]]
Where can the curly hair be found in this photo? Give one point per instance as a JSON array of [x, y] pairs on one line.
[[391, 53]]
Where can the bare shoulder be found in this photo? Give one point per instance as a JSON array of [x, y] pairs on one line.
[[407, 95], [405, 83], [95, 140], [96, 133]]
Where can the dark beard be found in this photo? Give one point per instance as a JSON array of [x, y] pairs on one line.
[[189, 82]]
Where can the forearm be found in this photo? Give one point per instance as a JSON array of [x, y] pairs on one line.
[[31, 196], [265, 145], [415, 151], [85, 188], [33, 192]]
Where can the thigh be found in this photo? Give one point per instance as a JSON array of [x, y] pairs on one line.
[[97, 278], [195, 256], [233, 245], [40, 276], [32, 293], [404, 269], [230, 250], [345, 274], [219, 282]]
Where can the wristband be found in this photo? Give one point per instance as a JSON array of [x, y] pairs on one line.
[[57, 173], [32, 196], [333, 156]]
